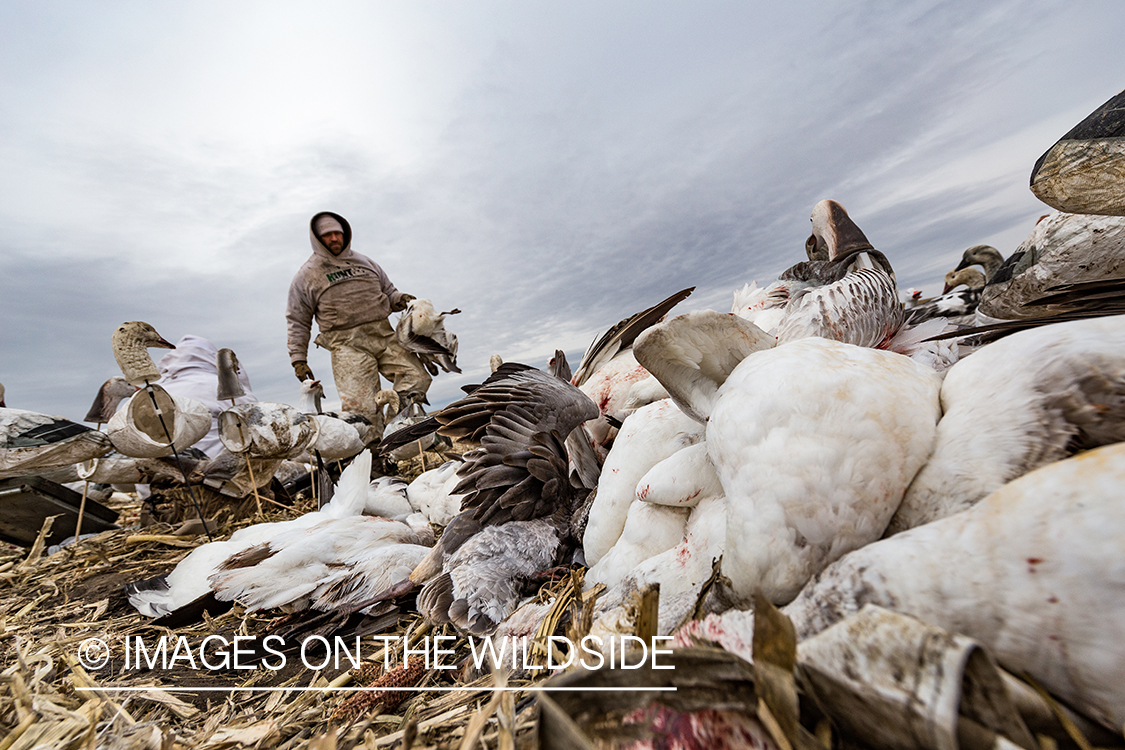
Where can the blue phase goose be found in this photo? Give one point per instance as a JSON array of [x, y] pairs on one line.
[[519, 499]]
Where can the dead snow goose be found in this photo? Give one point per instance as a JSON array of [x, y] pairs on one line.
[[809, 473], [1017, 404], [155, 597], [1034, 572], [421, 330]]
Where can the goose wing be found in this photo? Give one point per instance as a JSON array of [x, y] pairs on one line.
[[692, 355], [623, 334], [521, 469]]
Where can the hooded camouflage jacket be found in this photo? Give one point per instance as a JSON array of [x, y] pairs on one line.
[[340, 291]]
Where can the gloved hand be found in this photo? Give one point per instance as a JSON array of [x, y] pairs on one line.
[[301, 368], [403, 301]]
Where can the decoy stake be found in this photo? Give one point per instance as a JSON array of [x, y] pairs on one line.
[[179, 463]]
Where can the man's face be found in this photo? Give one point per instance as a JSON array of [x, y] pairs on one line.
[[334, 241]]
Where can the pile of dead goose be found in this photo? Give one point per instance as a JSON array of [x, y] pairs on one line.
[[932, 481]]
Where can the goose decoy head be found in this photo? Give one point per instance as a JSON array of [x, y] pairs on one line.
[[834, 234], [130, 344], [230, 387], [981, 255], [109, 396], [969, 277]]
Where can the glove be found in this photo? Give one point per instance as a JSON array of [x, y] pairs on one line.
[[301, 368], [403, 301]]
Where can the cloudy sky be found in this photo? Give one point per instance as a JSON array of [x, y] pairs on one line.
[[547, 168]]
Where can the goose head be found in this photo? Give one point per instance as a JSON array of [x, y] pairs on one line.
[[311, 394], [985, 256], [109, 396], [131, 342], [834, 234], [969, 277], [389, 403], [558, 366], [230, 387]]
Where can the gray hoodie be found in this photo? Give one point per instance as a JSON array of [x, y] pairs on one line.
[[341, 291]]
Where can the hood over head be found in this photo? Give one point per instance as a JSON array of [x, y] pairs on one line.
[[318, 246]]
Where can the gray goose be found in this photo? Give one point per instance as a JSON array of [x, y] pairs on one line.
[[519, 500]]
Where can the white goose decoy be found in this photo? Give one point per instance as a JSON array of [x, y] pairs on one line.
[[30, 442], [155, 597], [814, 441], [367, 431], [421, 330], [112, 392], [1035, 572], [1061, 249], [1081, 173], [1017, 404]]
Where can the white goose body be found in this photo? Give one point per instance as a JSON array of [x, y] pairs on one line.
[[431, 493], [189, 579], [814, 441], [298, 566], [610, 387], [687, 481], [1017, 404], [762, 306], [647, 436], [386, 497], [1035, 572]]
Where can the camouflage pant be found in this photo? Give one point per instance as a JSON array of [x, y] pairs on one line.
[[360, 354]]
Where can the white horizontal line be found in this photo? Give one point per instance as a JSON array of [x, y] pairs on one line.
[[173, 689]]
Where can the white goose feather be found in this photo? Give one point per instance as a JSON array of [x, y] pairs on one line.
[[814, 442], [1017, 404], [1035, 572]]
